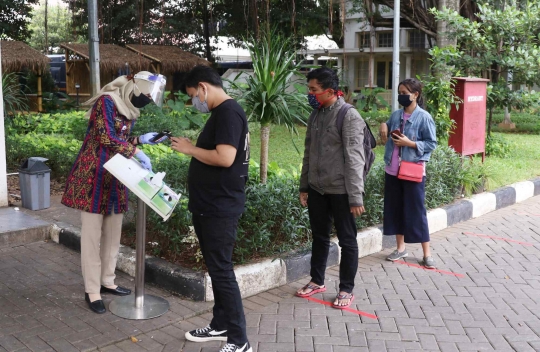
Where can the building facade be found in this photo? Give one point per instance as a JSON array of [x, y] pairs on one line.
[[366, 59]]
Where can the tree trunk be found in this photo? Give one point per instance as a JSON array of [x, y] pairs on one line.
[[265, 139], [206, 31], [46, 27], [268, 17], [442, 32], [489, 121], [255, 18]]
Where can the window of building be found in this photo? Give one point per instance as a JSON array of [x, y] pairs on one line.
[[383, 74], [385, 40], [362, 71], [417, 39], [417, 68], [364, 40]]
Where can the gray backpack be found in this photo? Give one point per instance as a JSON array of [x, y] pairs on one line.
[[369, 140]]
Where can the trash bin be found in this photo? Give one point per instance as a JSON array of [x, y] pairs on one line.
[[35, 184]]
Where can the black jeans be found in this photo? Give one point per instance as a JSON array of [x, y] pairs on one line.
[[217, 237], [322, 208]]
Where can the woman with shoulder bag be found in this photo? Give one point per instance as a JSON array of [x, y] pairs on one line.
[[412, 139]]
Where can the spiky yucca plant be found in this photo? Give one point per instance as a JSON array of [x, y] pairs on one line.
[[271, 96], [14, 98]]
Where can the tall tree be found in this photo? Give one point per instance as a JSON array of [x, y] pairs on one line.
[[503, 44], [169, 23], [58, 24], [294, 19], [15, 17]]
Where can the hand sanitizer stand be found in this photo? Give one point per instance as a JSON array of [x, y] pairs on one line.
[[141, 306]]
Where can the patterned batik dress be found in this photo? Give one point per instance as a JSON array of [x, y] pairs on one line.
[[89, 187]]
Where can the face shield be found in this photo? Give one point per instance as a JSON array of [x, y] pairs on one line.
[[156, 86]]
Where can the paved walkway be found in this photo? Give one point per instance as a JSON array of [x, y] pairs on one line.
[[484, 298]]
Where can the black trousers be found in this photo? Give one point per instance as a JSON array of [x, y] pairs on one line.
[[322, 209], [217, 237]]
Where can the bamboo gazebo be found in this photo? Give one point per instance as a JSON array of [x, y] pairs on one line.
[[170, 61], [17, 56], [114, 61]]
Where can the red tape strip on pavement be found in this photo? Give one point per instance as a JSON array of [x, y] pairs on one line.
[[498, 238], [364, 314], [423, 267]]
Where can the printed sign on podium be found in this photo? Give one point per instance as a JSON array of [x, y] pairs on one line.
[[146, 185]]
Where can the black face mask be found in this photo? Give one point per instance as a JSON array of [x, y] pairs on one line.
[[404, 100], [140, 101]]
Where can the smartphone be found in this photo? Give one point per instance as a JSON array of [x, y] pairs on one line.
[[395, 132], [160, 135]]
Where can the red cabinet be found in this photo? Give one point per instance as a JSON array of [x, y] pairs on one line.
[[469, 134]]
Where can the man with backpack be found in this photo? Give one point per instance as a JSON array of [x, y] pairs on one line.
[[337, 157]]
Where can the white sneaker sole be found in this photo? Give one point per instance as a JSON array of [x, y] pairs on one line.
[[393, 260], [192, 338]]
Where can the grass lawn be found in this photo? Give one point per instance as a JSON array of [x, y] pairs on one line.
[[524, 163]]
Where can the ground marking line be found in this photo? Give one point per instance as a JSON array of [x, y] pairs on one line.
[[427, 269], [498, 238], [320, 301], [522, 213]]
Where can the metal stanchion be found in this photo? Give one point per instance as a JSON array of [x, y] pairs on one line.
[[141, 306]]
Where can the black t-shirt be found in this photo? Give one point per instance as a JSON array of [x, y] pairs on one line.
[[219, 191]]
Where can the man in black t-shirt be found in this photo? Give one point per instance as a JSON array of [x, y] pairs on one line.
[[216, 180]]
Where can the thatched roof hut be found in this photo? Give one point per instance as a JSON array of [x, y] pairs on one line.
[[170, 61], [17, 56], [113, 61]]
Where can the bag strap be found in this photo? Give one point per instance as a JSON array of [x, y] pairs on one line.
[[341, 116]]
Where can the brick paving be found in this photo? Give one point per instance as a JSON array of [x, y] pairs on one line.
[[492, 304], [42, 305]]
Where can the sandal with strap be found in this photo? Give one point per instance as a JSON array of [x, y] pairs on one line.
[[314, 289], [348, 296]]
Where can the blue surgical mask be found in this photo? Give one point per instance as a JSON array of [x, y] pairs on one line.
[[199, 105]]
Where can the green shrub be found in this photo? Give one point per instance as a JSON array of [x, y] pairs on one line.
[[274, 221], [375, 118], [497, 145], [526, 122], [70, 123], [175, 116], [373, 197], [443, 180], [61, 151]]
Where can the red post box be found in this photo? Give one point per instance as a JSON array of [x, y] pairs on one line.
[[469, 134]]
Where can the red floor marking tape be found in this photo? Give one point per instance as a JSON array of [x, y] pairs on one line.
[[423, 267], [498, 238], [316, 300]]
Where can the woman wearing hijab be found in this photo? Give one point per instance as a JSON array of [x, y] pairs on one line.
[[100, 197]]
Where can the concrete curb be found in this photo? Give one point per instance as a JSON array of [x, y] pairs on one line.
[[270, 273], [252, 278]]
